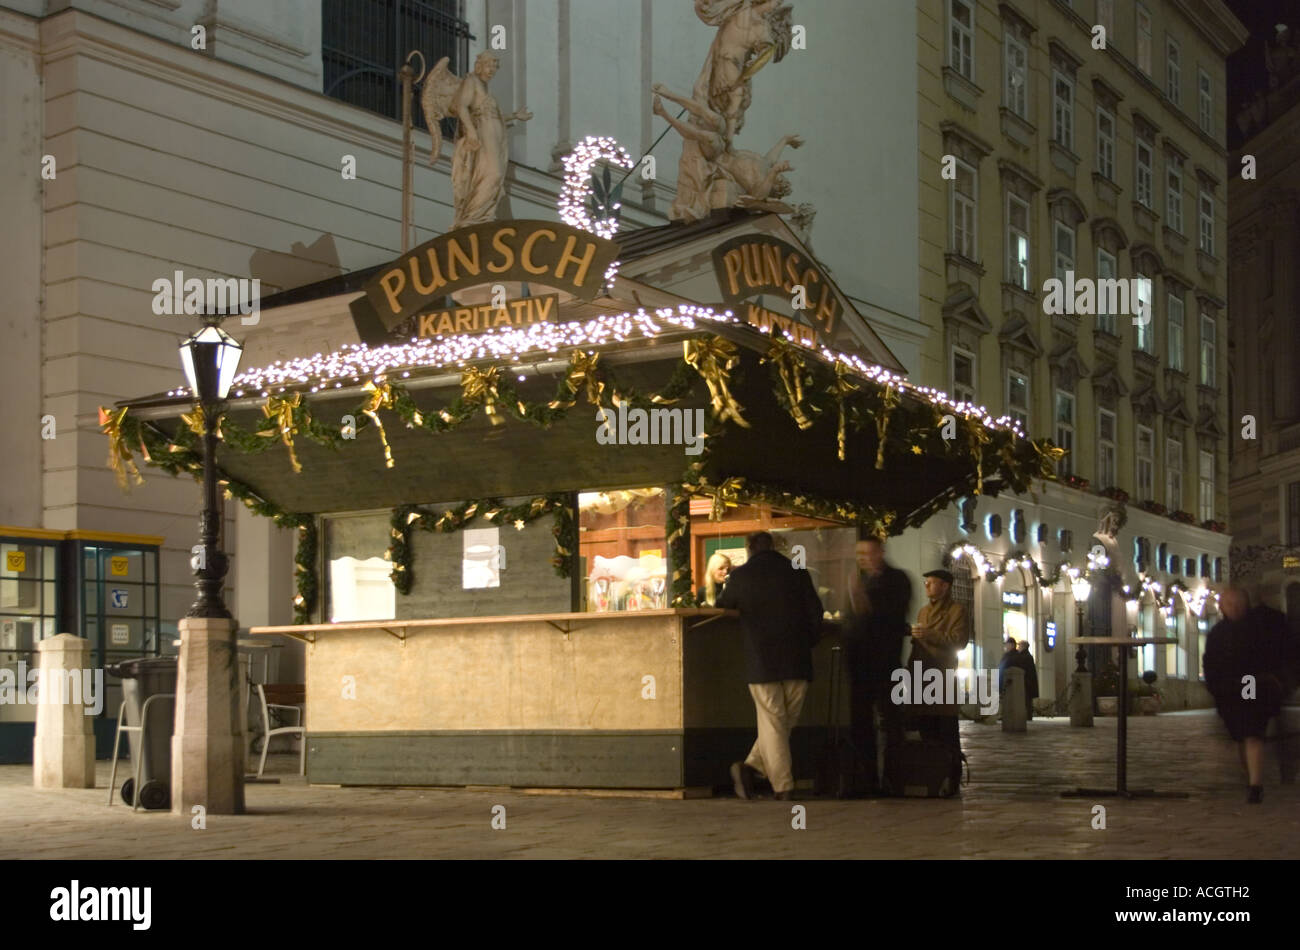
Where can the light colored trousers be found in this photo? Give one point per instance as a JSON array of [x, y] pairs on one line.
[[778, 706]]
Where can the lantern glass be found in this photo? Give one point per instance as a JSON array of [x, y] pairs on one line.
[[1082, 588], [210, 358]]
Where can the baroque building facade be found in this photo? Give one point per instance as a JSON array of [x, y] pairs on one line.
[[1050, 154]]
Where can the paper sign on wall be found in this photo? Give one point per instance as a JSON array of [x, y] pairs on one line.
[[120, 634], [117, 566]]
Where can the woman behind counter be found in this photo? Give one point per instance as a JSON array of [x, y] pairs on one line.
[[715, 579]]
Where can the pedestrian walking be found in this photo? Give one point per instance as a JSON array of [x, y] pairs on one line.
[[1249, 663], [780, 614], [880, 598]]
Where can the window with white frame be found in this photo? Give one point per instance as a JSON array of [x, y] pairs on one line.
[[1205, 91], [1206, 495], [1174, 474], [1063, 252], [1107, 269], [1105, 448], [1174, 193], [1207, 222], [963, 375], [1145, 328], [1017, 241], [1105, 144], [1063, 109], [1065, 430], [1018, 398], [1146, 466], [1144, 38], [1173, 71], [1015, 68], [961, 37], [1207, 350], [1176, 325], [962, 194], [1106, 17], [1144, 174]]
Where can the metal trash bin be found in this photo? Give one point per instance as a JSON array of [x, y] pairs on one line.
[[152, 759]]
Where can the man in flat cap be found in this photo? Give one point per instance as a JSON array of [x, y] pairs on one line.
[[941, 630]]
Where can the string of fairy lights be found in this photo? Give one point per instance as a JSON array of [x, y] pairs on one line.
[[1163, 595], [356, 363]]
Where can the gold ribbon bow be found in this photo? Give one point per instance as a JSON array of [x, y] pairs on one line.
[[281, 409], [120, 457], [582, 378], [840, 390], [381, 397], [1048, 456], [790, 366], [478, 385], [713, 358], [889, 402], [724, 495], [979, 437]]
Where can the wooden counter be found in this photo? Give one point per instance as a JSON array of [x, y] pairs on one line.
[[636, 699]]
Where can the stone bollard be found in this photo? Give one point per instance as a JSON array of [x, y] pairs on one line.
[[1014, 715], [63, 752], [208, 741], [1081, 699]]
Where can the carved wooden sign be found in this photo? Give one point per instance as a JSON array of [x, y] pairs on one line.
[[753, 264]]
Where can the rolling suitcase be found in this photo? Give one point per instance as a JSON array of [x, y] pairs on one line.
[[840, 771], [921, 768]]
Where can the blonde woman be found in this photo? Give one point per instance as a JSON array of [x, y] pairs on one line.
[[715, 578]]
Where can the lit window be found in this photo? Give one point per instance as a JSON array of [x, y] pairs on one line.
[[1017, 242], [1145, 307], [1018, 398], [1016, 79], [961, 37]]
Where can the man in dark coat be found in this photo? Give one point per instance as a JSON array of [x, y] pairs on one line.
[[880, 598], [1031, 676], [1249, 661], [781, 616]]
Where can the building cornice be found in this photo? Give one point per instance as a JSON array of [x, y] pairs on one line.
[[1216, 23]]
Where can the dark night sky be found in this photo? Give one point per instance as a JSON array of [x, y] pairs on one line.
[[1246, 71]]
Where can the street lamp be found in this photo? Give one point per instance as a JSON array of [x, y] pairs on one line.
[[210, 358], [1082, 589]]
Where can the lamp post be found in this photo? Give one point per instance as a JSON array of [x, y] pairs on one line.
[[208, 739], [1081, 588]]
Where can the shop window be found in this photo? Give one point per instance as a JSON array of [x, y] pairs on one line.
[[358, 582], [623, 549]]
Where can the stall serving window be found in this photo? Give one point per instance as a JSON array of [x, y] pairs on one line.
[[623, 549]]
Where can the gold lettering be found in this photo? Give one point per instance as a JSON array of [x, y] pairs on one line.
[[753, 266], [483, 317], [422, 288], [827, 308], [568, 257], [771, 264], [426, 324], [792, 273], [543, 308], [503, 317], [391, 291], [464, 320], [809, 278], [526, 255], [469, 261], [506, 251], [445, 326], [522, 311], [731, 261]]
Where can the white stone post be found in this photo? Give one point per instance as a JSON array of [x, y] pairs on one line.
[[63, 752], [208, 743], [1013, 700]]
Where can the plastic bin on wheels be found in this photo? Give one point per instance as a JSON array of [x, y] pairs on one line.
[[151, 750]]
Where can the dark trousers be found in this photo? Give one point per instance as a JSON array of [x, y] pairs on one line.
[[869, 690], [943, 729]]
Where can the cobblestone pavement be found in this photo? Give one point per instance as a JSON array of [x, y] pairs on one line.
[[1012, 809]]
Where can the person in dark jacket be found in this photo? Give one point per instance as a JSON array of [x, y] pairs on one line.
[[1031, 676], [780, 614], [1009, 659], [880, 598], [1248, 666]]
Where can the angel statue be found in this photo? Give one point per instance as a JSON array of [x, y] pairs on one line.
[[480, 158], [751, 33]]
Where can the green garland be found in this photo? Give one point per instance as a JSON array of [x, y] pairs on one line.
[[305, 578], [678, 532], [492, 510]]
